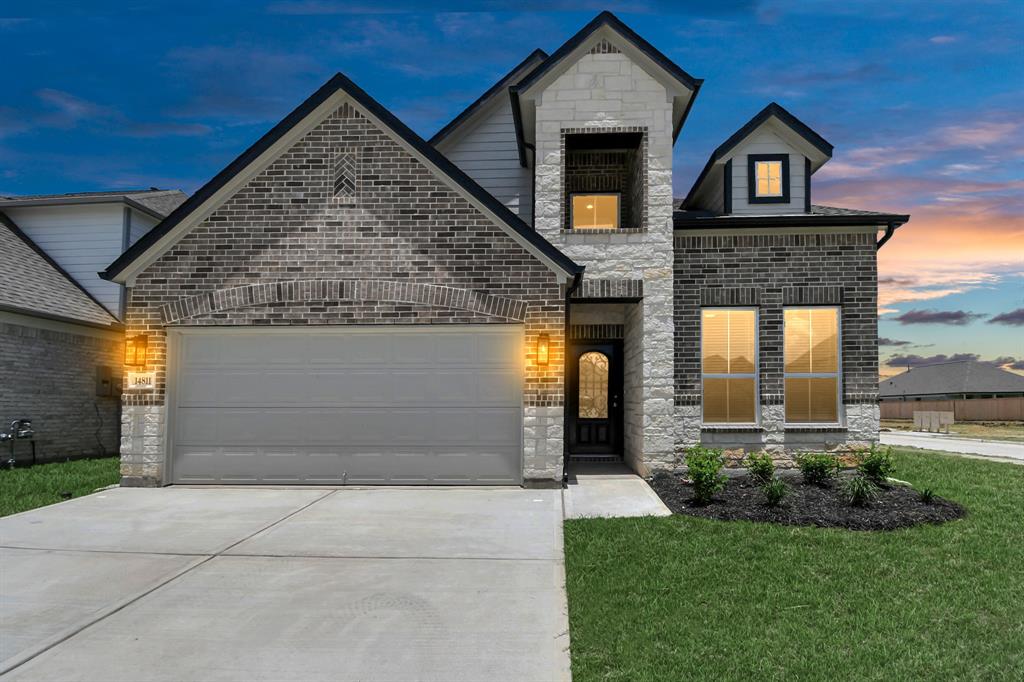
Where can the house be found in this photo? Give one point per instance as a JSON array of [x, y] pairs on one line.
[[972, 390], [347, 302], [61, 337]]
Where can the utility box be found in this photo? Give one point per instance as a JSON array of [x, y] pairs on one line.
[[104, 381]]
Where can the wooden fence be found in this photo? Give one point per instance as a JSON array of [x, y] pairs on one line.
[[976, 410]]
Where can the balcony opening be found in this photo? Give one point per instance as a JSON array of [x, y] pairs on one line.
[[605, 186]]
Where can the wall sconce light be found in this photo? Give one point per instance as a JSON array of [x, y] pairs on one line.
[[543, 341], [135, 348]]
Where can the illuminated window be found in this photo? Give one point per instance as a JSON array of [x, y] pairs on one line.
[[729, 365], [812, 365], [768, 178], [595, 211], [593, 380]]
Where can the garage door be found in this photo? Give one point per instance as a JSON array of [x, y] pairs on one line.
[[357, 405]]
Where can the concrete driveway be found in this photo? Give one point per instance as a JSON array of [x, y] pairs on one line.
[[286, 584]]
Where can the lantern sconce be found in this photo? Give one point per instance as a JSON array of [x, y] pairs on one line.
[[135, 348], [543, 341]]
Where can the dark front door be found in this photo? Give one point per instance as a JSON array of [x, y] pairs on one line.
[[595, 398]]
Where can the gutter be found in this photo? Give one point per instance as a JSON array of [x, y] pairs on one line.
[[890, 230], [576, 280]]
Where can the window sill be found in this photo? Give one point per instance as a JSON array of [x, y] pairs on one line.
[[620, 230], [742, 428], [815, 428]]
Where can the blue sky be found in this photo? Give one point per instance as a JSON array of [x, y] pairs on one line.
[[922, 101]]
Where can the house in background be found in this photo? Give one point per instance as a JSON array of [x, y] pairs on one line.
[[973, 391], [61, 337], [349, 303]]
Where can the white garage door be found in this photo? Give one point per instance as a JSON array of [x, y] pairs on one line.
[[347, 405]]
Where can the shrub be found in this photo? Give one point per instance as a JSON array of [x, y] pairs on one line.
[[705, 465], [927, 496], [860, 490], [775, 492], [817, 468], [877, 464], [761, 466]]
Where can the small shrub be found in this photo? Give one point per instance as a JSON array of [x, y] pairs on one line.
[[761, 466], [927, 496], [817, 468], [860, 491], [877, 464], [775, 492], [705, 465]]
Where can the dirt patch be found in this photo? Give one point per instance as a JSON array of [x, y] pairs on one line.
[[895, 506]]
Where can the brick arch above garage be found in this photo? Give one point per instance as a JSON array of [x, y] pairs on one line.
[[343, 291]]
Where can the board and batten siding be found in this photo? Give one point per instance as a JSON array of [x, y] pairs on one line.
[[765, 141], [82, 239], [487, 152]]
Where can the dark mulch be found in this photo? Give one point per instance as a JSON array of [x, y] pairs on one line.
[[895, 506]]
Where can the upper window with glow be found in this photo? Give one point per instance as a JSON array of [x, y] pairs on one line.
[[595, 211], [769, 178]]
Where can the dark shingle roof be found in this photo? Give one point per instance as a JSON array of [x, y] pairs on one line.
[[820, 216], [159, 202], [32, 283], [966, 376]]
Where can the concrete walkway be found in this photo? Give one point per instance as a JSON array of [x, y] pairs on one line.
[[989, 449], [286, 584], [607, 491]]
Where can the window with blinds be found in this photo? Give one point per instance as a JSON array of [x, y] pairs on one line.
[[812, 365], [729, 365]]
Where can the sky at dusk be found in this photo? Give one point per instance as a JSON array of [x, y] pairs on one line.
[[922, 100]]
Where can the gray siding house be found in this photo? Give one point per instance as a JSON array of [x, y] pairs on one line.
[[347, 302]]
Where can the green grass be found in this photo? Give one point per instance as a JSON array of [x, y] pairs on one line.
[[683, 598], [38, 486]]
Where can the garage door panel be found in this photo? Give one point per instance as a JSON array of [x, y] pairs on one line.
[[359, 405]]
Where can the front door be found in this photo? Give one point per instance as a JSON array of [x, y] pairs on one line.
[[595, 398]]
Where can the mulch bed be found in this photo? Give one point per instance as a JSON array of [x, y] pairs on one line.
[[895, 506]]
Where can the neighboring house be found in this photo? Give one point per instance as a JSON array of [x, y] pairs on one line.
[[964, 380], [61, 340], [348, 303]]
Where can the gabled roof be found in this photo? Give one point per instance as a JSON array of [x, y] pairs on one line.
[[32, 283], [155, 202], [163, 235], [500, 88], [773, 110], [670, 69], [967, 376]]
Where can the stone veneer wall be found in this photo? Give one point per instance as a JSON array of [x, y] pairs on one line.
[[771, 272], [48, 375], [403, 248], [604, 91]]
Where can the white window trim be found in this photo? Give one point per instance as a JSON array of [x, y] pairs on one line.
[[757, 178], [838, 374], [618, 205], [756, 375]]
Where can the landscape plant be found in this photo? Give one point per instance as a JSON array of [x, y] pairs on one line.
[[860, 490], [877, 464], [760, 466], [775, 492], [705, 466], [817, 468]]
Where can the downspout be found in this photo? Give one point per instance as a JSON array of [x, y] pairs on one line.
[[576, 279], [890, 230], [533, 186]]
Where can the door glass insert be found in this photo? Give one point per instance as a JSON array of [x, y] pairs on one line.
[[593, 379]]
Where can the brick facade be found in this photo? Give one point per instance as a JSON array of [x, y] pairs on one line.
[[405, 249], [770, 272], [48, 375]]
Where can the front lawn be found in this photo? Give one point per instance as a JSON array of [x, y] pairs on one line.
[[43, 484], [685, 598]]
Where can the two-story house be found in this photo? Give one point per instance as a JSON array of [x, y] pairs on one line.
[[61, 337], [347, 302]]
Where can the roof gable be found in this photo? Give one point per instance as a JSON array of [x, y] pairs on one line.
[[951, 378], [296, 124], [32, 283], [783, 123]]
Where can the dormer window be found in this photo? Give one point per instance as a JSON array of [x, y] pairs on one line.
[[768, 178], [595, 211]]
